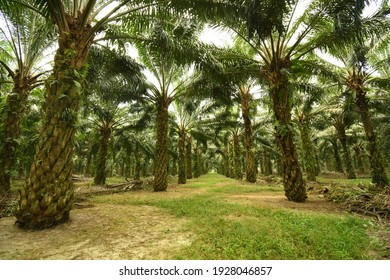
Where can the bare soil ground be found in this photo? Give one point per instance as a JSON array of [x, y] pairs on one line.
[[104, 231]]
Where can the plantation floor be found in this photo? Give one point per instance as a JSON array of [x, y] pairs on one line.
[[208, 218]]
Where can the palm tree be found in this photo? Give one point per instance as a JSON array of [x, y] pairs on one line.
[[47, 198], [168, 56], [361, 61], [328, 144], [246, 98], [341, 114], [360, 80], [111, 81], [306, 112], [281, 38], [135, 143], [190, 120], [181, 123], [340, 125], [25, 37]]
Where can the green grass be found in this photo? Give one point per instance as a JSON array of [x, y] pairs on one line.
[[345, 182], [216, 184], [231, 189], [228, 230]]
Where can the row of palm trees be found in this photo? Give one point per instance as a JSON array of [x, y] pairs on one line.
[[275, 48]]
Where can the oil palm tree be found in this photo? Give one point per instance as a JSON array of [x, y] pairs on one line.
[[25, 37], [280, 36], [341, 115], [359, 77], [47, 198], [181, 125], [306, 112], [190, 121], [246, 97], [112, 80], [361, 59], [168, 56]]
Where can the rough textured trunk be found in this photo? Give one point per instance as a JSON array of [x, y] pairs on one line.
[[225, 161], [15, 108], [197, 169], [250, 169], [161, 159], [336, 154], [87, 168], [182, 178], [237, 157], [47, 197], [346, 154], [231, 160], [378, 173], [101, 173], [189, 157], [266, 164], [294, 185], [359, 159], [308, 150]]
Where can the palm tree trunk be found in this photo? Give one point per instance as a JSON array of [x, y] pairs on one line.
[[47, 197], [226, 161], [336, 154], [266, 163], [237, 157], [294, 185], [308, 151], [231, 160], [197, 169], [161, 158], [359, 159], [182, 178], [100, 175], [15, 108], [378, 173], [250, 170], [346, 154], [189, 157], [87, 168]]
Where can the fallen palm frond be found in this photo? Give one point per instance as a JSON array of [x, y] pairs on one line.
[[359, 198], [8, 205]]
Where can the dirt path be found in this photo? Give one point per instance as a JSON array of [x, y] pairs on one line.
[[101, 232]]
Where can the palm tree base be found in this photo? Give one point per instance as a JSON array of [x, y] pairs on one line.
[[35, 223], [295, 189], [28, 221]]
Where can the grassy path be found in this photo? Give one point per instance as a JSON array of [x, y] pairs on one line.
[[211, 217]]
